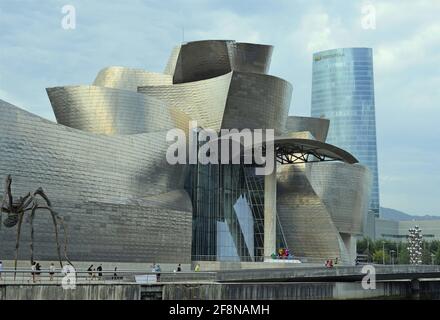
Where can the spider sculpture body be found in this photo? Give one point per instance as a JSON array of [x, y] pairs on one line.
[[16, 209]]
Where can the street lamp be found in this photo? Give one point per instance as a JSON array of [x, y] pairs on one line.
[[392, 256]]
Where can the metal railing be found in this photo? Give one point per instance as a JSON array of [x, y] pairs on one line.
[[43, 276], [266, 259]]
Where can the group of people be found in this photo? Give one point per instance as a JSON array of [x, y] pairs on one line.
[[92, 271], [329, 263], [36, 271]]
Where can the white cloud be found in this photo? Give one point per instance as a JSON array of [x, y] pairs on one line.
[[421, 47]]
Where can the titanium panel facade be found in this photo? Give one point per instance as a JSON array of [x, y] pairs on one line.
[[234, 100], [257, 101], [112, 111], [200, 60], [344, 190], [130, 78], [343, 92], [172, 61], [93, 182], [307, 225], [318, 127]]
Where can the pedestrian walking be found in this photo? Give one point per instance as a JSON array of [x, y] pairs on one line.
[[157, 269], [33, 271], [99, 269], [90, 271], [51, 271]]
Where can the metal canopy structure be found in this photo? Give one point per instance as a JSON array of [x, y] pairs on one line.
[[291, 151]]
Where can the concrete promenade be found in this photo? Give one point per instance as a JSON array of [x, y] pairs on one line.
[[297, 282]]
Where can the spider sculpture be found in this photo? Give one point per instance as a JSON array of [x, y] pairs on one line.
[[15, 209]]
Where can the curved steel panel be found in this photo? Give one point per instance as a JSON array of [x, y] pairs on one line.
[[172, 61], [307, 225], [92, 181], [111, 111], [200, 60], [236, 100], [250, 57], [203, 100], [344, 189], [257, 101], [129, 78], [318, 127]]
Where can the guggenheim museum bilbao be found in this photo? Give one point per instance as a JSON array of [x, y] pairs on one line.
[[103, 165]]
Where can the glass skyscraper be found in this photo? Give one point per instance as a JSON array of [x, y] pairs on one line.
[[343, 92]]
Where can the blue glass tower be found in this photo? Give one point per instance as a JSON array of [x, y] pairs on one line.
[[343, 92]]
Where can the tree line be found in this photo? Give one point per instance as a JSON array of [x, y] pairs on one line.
[[396, 252]]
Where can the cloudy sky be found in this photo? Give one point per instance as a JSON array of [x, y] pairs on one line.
[[36, 52]]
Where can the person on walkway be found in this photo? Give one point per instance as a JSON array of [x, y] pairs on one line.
[[51, 271], [157, 270], [33, 270], [99, 269], [90, 271], [179, 268], [38, 269], [197, 268], [1, 269], [115, 275]]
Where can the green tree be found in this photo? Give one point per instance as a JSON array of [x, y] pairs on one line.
[[403, 256], [378, 256], [437, 257], [435, 245], [362, 245]]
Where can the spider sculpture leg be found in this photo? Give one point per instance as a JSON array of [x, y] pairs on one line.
[[48, 206], [61, 222], [54, 219], [31, 221], [17, 242]]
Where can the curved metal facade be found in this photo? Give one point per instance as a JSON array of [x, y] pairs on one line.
[[318, 127], [129, 78], [111, 111], [200, 60], [172, 61], [203, 100], [234, 100], [101, 185], [307, 225], [320, 204], [257, 101], [344, 190]]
